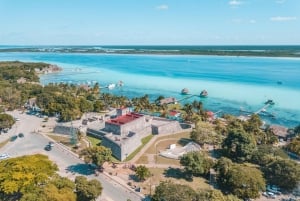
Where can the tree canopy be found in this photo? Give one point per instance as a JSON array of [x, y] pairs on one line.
[[24, 173], [87, 190], [283, 173], [204, 133], [169, 191], [96, 155], [239, 145], [196, 163], [6, 121], [241, 180], [57, 189], [294, 146], [142, 172]]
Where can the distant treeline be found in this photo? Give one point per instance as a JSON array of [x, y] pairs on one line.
[[260, 51]]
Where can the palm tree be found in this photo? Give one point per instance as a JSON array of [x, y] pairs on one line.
[[188, 108]]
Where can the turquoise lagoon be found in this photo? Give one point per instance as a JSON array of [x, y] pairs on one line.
[[233, 83]]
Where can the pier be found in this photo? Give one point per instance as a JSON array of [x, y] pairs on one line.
[[185, 98]]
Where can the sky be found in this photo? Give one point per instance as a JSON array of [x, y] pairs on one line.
[[149, 22]]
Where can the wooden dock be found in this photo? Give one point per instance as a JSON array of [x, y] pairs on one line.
[[185, 98], [263, 108]]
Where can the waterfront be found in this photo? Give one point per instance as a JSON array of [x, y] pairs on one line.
[[233, 83]]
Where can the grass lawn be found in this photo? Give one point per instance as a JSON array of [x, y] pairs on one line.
[[2, 144], [95, 141], [142, 160], [173, 175], [168, 161], [145, 140], [179, 136]]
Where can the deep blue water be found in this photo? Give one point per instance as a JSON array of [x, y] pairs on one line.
[[232, 82]]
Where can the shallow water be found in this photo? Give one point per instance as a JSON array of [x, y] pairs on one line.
[[233, 83]]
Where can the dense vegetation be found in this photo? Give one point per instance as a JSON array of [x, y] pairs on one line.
[[6, 121], [169, 191], [265, 51], [34, 178]]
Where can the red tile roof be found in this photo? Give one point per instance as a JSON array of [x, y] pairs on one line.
[[124, 119]]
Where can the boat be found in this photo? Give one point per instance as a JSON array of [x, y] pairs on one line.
[[111, 86], [120, 83], [270, 102], [203, 94], [184, 91]]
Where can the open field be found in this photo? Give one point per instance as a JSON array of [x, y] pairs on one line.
[[173, 138]]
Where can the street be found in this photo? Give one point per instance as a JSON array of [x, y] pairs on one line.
[[69, 165]]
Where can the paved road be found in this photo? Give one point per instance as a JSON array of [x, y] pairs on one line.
[[69, 165]]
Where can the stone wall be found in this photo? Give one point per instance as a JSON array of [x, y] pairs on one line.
[[115, 148], [169, 127], [65, 130]]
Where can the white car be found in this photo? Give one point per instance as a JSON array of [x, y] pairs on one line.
[[4, 156]]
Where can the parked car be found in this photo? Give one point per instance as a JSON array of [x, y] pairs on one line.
[[13, 138], [48, 147], [21, 135], [51, 144]]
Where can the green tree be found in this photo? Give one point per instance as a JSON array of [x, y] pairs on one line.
[[98, 106], [214, 195], [196, 163], [57, 189], [239, 145], [204, 133], [266, 154], [168, 191], [142, 172], [294, 146], [283, 173], [96, 155], [240, 180], [6, 121], [87, 190], [22, 174], [85, 105]]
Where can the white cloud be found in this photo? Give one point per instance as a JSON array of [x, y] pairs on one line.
[[235, 3], [162, 7], [252, 21], [282, 19]]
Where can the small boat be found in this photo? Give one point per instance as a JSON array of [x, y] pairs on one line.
[[184, 91], [270, 102], [120, 83], [203, 94], [111, 86], [279, 82]]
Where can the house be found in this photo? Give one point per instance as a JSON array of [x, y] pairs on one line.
[[21, 80], [280, 131], [170, 100], [174, 113]]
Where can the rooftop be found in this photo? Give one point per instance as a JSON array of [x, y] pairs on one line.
[[124, 119]]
